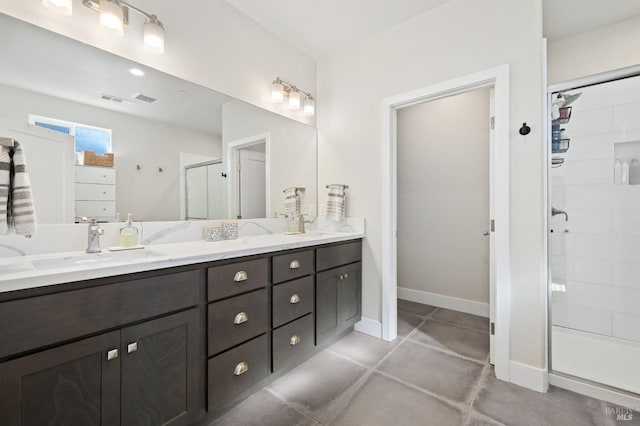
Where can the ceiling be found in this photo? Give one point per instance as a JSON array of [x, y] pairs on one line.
[[40, 61], [320, 27]]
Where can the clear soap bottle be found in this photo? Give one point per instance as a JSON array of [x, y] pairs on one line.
[[634, 171], [129, 233]]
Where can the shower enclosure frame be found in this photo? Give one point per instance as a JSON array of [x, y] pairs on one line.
[[562, 380]]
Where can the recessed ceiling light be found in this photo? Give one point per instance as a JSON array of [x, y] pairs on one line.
[[137, 72]]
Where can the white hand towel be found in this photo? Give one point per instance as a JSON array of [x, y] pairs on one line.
[[21, 214], [291, 203], [5, 180], [336, 206]]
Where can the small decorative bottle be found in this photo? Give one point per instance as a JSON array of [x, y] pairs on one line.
[[617, 171], [625, 171], [129, 233], [634, 171]]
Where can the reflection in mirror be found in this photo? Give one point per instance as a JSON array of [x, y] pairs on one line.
[[180, 151]]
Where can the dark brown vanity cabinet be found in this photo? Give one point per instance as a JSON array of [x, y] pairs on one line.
[[338, 290], [145, 373]]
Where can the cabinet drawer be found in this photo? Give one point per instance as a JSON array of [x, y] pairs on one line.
[[228, 280], [292, 341], [43, 320], [93, 209], [235, 320], [292, 300], [89, 174], [237, 370], [95, 192], [293, 265], [332, 256]]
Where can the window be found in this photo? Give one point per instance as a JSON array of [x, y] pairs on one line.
[[86, 137]]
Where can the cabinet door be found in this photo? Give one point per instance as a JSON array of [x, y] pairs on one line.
[[349, 295], [327, 320], [73, 384], [159, 370], [338, 300]]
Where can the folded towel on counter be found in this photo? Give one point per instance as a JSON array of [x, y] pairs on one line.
[[336, 206], [291, 203], [16, 202]]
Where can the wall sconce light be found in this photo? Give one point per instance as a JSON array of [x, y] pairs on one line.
[[280, 89], [114, 15]]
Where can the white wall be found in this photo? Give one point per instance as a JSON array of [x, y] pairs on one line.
[[455, 39], [293, 150], [603, 49], [443, 196], [147, 193], [207, 41]]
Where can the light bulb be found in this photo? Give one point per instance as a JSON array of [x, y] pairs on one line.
[[154, 35], [111, 16], [294, 100], [277, 92], [61, 7], [309, 106]]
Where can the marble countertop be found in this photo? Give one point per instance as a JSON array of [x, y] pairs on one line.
[[24, 272]]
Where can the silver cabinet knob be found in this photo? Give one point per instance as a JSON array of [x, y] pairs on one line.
[[112, 354], [132, 347], [341, 277], [346, 275], [240, 318], [240, 276], [241, 368], [294, 264], [294, 299], [295, 339]]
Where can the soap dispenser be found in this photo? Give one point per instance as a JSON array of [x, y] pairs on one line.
[[129, 233]]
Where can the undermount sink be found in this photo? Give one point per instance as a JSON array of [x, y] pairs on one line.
[[95, 259], [312, 234]]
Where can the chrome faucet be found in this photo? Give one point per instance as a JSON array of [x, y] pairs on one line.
[[301, 223], [555, 211], [93, 237]]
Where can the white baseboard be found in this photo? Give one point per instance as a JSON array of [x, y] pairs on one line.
[[370, 327], [606, 394], [533, 378], [447, 302]]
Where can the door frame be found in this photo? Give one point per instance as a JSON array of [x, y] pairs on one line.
[[231, 158], [498, 78]]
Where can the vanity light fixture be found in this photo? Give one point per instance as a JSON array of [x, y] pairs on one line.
[[280, 89], [61, 7], [114, 15]]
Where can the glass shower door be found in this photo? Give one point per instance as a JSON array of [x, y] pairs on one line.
[[595, 233]]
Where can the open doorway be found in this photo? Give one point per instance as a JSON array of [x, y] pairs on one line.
[[249, 177], [497, 226]]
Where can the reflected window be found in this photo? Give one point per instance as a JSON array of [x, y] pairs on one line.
[[89, 138]]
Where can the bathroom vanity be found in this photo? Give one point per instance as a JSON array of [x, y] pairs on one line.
[[172, 345]]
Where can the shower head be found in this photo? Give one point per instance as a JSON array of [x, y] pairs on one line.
[[569, 98]]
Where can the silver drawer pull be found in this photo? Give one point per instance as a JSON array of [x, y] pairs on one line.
[[294, 264], [132, 347], [241, 368], [294, 299], [112, 354], [295, 339], [240, 318], [240, 276], [346, 275]]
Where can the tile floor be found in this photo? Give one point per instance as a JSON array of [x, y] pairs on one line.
[[435, 373]]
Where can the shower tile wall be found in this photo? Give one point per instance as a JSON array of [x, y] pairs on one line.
[[598, 260]]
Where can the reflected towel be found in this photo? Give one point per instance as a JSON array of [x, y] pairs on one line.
[[5, 181], [336, 206], [16, 202], [291, 203]]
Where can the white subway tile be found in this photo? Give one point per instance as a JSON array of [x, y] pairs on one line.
[[626, 221], [590, 196], [626, 116], [626, 246], [626, 273], [595, 221], [588, 146], [594, 120], [626, 300], [588, 270], [626, 326], [589, 171], [598, 296], [581, 318], [596, 246]]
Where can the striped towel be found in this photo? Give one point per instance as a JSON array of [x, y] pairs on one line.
[[291, 203], [16, 203], [336, 206]]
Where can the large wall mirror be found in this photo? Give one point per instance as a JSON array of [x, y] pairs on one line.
[[180, 151]]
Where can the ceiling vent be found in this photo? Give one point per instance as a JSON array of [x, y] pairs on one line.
[[111, 98], [144, 98]]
